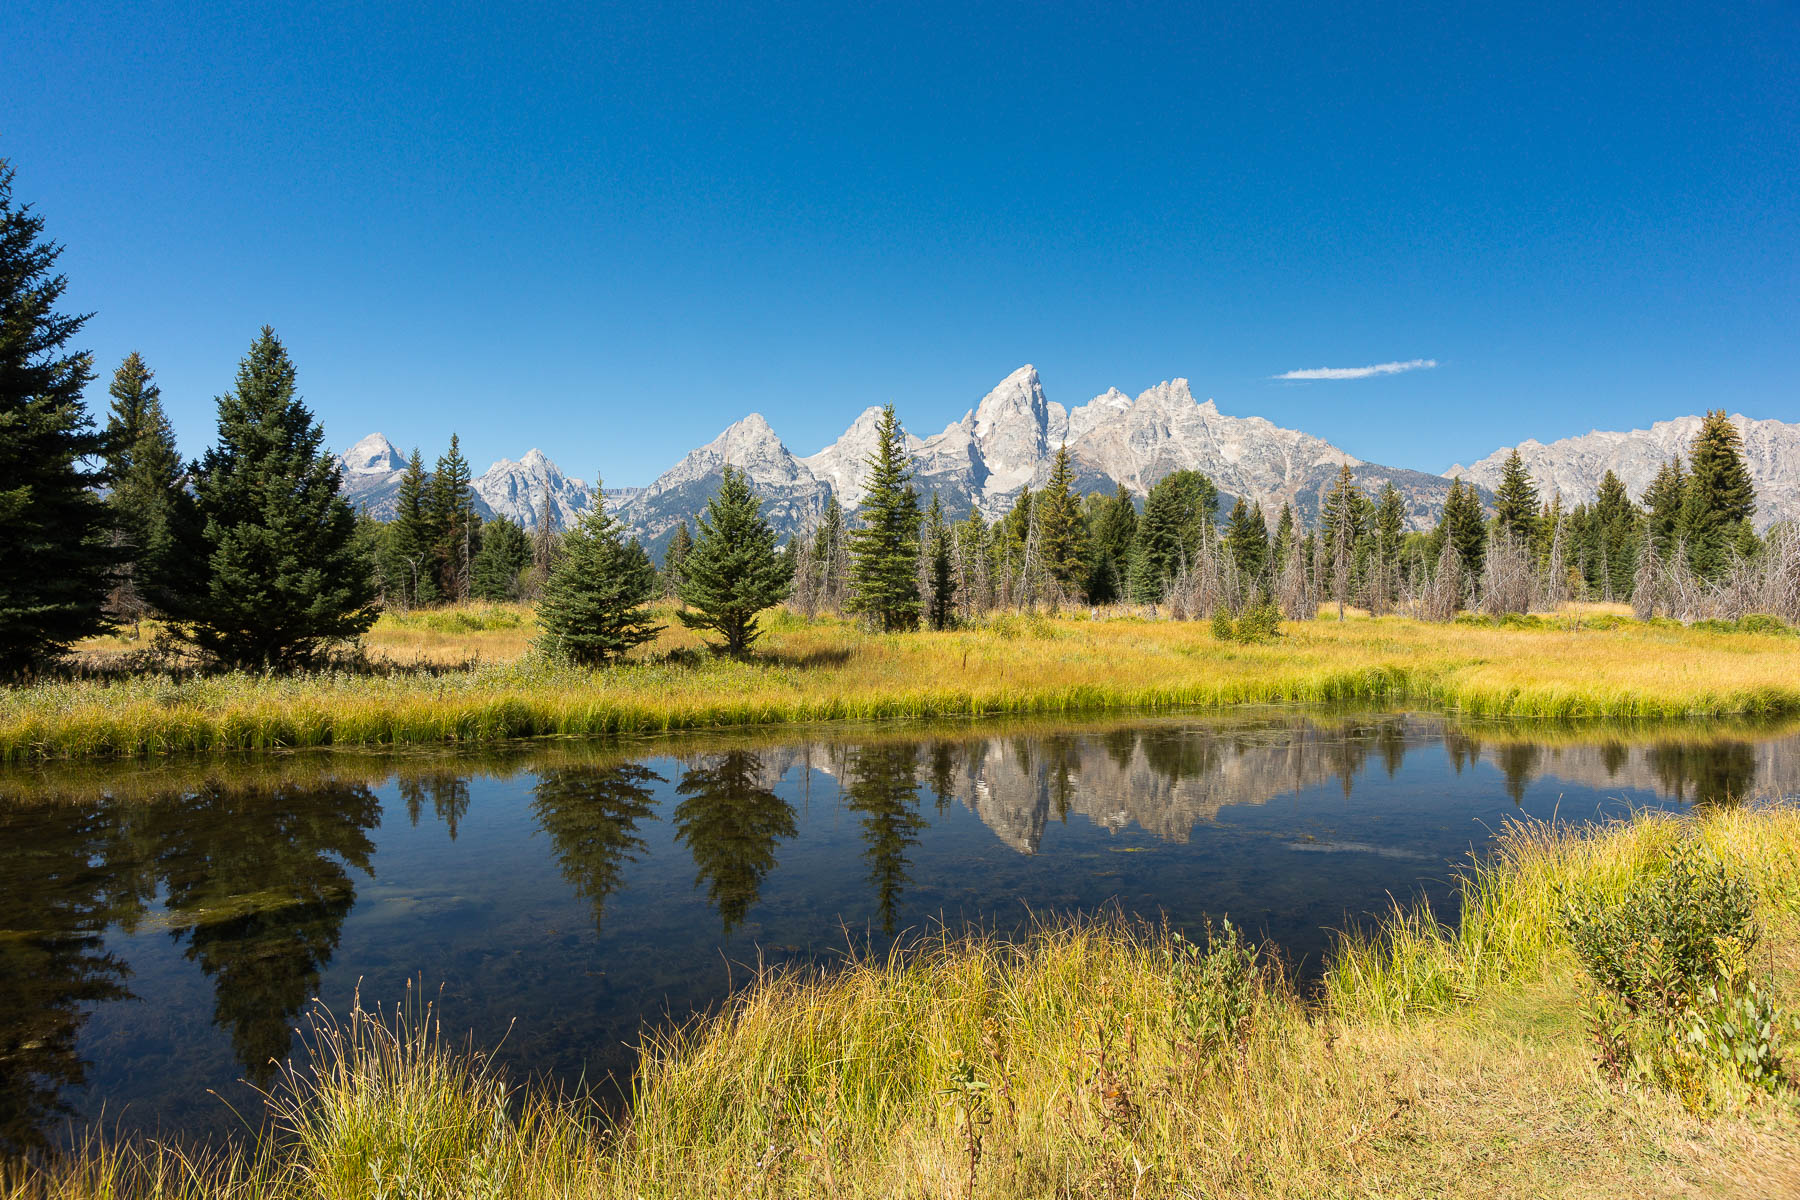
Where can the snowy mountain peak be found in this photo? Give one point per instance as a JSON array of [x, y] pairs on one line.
[[374, 455], [517, 490]]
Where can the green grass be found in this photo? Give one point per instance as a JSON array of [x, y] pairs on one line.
[[831, 670], [1090, 1059]]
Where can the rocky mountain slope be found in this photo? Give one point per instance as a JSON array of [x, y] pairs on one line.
[[1574, 466]]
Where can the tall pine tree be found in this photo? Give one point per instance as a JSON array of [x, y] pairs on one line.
[[733, 571], [1516, 502], [1663, 502], [410, 553], [454, 522], [940, 612], [1062, 528], [56, 556], [277, 573], [1247, 540], [675, 556], [885, 551], [1720, 499], [1613, 559], [1463, 526], [145, 468]]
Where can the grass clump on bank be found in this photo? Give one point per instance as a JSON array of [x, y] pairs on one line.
[[830, 670], [1106, 1059]]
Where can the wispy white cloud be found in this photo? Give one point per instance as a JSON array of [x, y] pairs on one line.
[[1388, 368]]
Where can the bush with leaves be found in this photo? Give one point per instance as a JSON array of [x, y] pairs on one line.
[[1214, 990], [1676, 1005]]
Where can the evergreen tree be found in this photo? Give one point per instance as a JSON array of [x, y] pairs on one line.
[[1062, 531], [275, 571], [413, 537], [1463, 526], [1613, 556], [1516, 501], [1390, 524], [1286, 540], [733, 571], [505, 551], [940, 612], [593, 605], [454, 522], [1343, 523], [1177, 513], [1663, 500], [56, 556], [1115, 525], [885, 551], [145, 469], [681, 544], [1720, 499], [1247, 540]]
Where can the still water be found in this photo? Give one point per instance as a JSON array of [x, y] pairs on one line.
[[163, 929]]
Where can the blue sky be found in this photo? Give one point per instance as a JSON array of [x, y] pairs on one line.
[[612, 230]]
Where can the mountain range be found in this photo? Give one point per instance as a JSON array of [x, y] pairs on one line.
[[1008, 440]]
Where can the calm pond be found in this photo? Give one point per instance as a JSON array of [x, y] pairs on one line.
[[164, 928]]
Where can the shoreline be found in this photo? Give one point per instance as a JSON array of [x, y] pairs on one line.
[[827, 671]]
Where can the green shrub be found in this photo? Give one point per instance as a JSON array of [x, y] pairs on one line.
[[1213, 992], [1261, 622], [1675, 1004], [1222, 628]]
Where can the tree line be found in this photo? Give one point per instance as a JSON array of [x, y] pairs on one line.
[[250, 555]]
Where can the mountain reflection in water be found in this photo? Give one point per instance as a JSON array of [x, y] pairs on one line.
[[163, 928]]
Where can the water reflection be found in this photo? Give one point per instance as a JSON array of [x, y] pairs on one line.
[[883, 789], [57, 901], [607, 885], [731, 823], [591, 814]]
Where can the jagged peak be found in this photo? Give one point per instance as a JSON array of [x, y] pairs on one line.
[[374, 453]]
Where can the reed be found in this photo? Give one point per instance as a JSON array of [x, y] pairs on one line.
[[831, 670], [1097, 1058]]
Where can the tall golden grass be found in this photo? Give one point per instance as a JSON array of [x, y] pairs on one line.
[[1439, 1060], [833, 670]]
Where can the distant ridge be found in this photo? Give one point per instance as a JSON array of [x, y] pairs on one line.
[[1574, 466]]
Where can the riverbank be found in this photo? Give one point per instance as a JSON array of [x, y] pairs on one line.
[[833, 670], [1095, 1060]]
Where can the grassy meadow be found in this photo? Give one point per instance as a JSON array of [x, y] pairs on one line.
[[1099, 1059], [467, 675]]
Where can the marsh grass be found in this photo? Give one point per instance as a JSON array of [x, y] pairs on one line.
[[832, 670], [1095, 1058]]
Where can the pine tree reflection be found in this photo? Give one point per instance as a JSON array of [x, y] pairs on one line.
[[259, 886], [883, 787], [1714, 773], [58, 893], [731, 823], [591, 815], [447, 791]]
